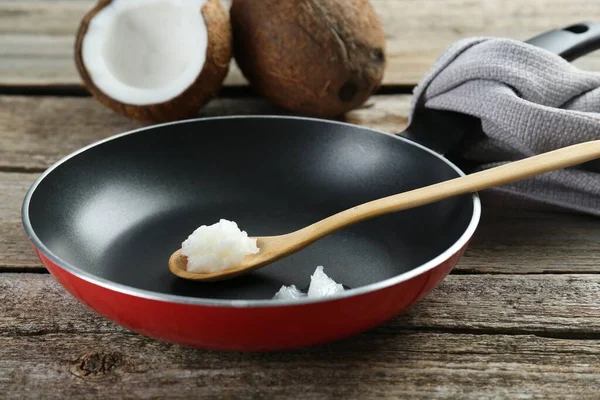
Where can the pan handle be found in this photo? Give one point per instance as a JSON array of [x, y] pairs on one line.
[[570, 42]]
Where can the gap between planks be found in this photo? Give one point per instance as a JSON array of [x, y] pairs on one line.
[[226, 91], [379, 331], [37, 37], [40, 269]]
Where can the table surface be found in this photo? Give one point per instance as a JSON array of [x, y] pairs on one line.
[[518, 318]]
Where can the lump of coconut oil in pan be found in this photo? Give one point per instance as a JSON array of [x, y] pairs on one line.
[[288, 293], [321, 285], [217, 247]]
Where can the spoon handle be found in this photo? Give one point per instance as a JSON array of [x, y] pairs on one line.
[[514, 171]]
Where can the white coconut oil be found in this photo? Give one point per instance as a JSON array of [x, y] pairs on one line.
[[217, 247], [321, 285]]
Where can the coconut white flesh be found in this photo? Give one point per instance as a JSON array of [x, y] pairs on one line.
[[217, 247], [144, 52]]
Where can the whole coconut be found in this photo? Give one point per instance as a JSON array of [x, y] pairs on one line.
[[314, 57]]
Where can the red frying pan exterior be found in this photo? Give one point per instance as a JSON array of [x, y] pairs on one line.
[[252, 328]]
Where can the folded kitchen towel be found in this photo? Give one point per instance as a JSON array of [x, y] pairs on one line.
[[529, 101]]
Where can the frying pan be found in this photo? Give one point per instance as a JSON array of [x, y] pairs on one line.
[[105, 219]]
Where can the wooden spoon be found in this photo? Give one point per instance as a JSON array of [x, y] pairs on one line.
[[273, 248]]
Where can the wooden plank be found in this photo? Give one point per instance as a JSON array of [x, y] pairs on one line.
[[37, 131], [376, 365], [473, 337], [564, 306], [36, 37], [515, 241], [15, 250]]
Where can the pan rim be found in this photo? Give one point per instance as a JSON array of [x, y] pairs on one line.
[[232, 303]]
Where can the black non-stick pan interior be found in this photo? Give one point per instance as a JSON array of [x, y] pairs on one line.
[[119, 209]]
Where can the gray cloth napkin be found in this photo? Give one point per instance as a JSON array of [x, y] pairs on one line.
[[529, 101]]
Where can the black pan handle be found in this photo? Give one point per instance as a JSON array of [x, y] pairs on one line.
[[570, 42]]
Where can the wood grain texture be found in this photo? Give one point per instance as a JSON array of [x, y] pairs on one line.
[[37, 37], [15, 250], [519, 241], [560, 306], [378, 365], [473, 337], [35, 132]]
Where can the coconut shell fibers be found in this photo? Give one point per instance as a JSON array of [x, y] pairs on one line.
[[313, 57]]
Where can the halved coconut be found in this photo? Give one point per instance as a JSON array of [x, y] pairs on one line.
[[154, 60]]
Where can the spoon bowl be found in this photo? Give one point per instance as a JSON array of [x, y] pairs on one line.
[[271, 249]]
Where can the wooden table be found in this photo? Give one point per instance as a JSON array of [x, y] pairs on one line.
[[518, 318]]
